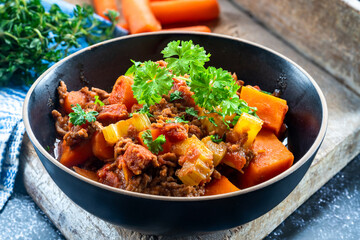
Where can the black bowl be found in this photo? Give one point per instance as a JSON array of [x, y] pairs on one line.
[[101, 64]]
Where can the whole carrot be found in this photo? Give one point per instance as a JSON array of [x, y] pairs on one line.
[[138, 15], [174, 11], [103, 6], [199, 28]]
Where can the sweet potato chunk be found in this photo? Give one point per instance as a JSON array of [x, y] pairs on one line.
[[100, 148], [76, 155], [272, 159], [219, 186], [73, 98], [270, 109], [122, 92]]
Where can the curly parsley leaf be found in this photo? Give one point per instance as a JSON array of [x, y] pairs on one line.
[[177, 120], [155, 146], [212, 120], [176, 95], [183, 57], [98, 101], [151, 82], [131, 71], [215, 138], [79, 116]]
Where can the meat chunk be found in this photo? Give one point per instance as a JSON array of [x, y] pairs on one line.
[[175, 132], [112, 113], [61, 123], [108, 177], [137, 158]]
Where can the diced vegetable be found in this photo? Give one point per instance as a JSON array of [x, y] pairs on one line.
[[219, 186], [193, 173], [127, 172], [174, 11], [87, 173], [122, 92], [218, 149], [197, 161], [73, 156], [213, 122], [270, 109], [235, 160], [272, 159], [250, 125], [100, 148], [139, 16], [114, 132], [73, 98]]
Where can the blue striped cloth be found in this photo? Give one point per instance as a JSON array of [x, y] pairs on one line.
[[11, 124]]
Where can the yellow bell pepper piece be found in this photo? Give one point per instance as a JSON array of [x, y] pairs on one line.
[[250, 125], [114, 132]]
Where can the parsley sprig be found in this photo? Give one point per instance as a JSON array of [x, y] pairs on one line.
[[155, 146], [151, 82], [189, 57], [32, 39], [176, 95], [80, 117]]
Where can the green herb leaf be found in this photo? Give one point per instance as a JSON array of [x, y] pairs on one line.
[[176, 95], [144, 110], [177, 120], [191, 111], [215, 138], [98, 101], [155, 146], [189, 57], [79, 116], [211, 119], [151, 82]]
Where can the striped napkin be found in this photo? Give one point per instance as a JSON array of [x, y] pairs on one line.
[[11, 124]]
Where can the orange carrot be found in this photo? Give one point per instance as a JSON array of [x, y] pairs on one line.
[[175, 11], [103, 6], [86, 173], [199, 28], [100, 148], [270, 109], [219, 186], [73, 156], [122, 92], [272, 159], [138, 15], [124, 25], [73, 98]]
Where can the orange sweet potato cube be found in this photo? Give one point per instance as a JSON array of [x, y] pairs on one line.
[[272, 159], [270, 109]]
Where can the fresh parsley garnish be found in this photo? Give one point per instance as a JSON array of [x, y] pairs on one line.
[[215, 138], [177, 120], [212, 120], [144, 110], [184, 57], [79, 116], [191, 111], [151, 82], [31, 39], [155, 146], [176, 95], [98, 101]]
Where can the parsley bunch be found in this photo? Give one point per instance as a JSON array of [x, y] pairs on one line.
[[214, 88], [32, 39]]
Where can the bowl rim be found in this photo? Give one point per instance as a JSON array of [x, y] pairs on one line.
[[314, 147]]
